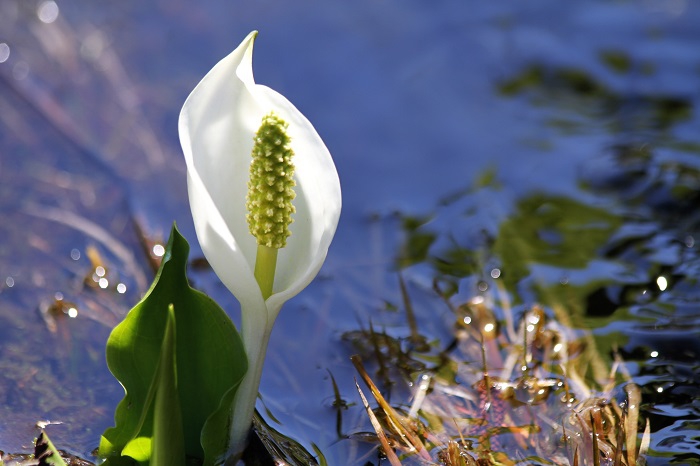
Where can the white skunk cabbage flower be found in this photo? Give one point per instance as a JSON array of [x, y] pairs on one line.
[[218, 128]]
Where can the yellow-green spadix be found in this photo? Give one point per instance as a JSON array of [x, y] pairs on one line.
[[217, 126]]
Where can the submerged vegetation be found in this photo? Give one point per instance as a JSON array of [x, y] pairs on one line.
[[503, 394], [542, 363]]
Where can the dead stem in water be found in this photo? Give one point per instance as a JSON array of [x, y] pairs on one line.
[[501, 395]]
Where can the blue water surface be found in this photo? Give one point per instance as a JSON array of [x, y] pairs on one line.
[[468, 119]]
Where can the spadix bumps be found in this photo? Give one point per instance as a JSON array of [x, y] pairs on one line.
[[270, 188]]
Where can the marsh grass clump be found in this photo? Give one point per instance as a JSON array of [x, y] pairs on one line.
[[503, 393]]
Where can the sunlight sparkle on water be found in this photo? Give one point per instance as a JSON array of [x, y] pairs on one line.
[[424, 382], [689, 241], [74, 254], [495, 273], [488, 327], [662, 283], [654, 354], [121, 288], [10, 282], [158, 250], [72, 312], [4, 52], [93, 45], [20, 70], [47, 11], [104, 283]]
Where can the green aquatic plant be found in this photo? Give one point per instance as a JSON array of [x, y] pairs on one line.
[[225, 119], [190, 381], [180, 360], [45, 453]]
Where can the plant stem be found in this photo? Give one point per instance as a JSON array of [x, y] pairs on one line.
[[255, 333], [265, 265]]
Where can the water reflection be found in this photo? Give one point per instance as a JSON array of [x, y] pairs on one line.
[[94, 95], [625, 267], [618, 259], [20, 70], [586, 103]]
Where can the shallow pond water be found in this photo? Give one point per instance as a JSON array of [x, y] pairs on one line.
[[541, 153]]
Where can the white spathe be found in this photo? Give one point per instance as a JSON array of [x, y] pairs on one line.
[[217, 125]]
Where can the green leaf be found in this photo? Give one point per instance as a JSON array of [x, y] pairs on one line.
[[45, 452], [138, 449], [210, 362], [168, 444]]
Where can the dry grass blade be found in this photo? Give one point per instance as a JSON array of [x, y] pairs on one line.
[[634, 398], [383, 370], [644, 446], [541, 392], [413, 443], [393, 459], [596, 449], [416, 339], [452, 456], [619, 440]]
